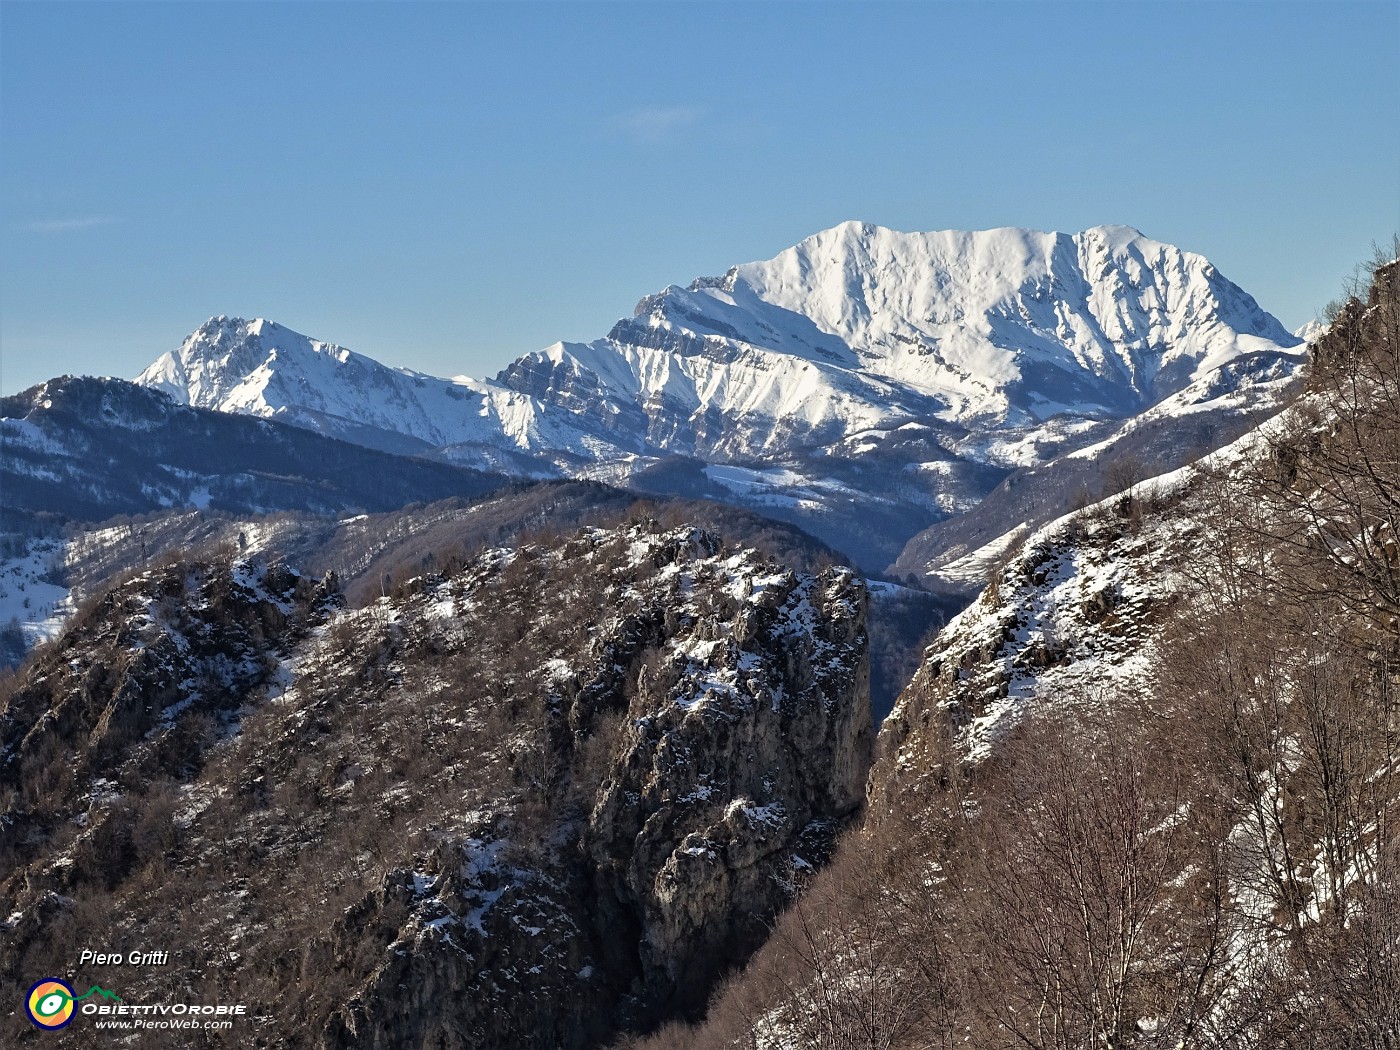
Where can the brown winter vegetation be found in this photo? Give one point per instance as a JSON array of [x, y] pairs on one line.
[[469, 788], [1214, 863]]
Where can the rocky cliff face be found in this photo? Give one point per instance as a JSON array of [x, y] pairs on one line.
[[733, 783], [549, 794], [720, 745], [1071, 616], [151, 672]]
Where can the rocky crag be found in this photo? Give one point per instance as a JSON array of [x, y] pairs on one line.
[[548, 794]]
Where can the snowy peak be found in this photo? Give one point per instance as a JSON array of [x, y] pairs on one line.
[[955, 311], [236, 365], [1311, 331], [861, 364], [264, 369], [854, 328], [860, 327]]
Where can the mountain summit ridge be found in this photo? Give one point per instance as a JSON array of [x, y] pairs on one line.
[[984, 323], [261, 368], [935, 357]]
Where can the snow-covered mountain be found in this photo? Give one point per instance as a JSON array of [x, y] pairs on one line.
[[1311, 331], [82, 449], [859, 327], [936, 361], [259, 368], [960, 552]]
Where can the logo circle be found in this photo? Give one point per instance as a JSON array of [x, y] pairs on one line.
[[50, 1003]]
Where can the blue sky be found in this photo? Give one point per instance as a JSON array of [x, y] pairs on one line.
[[447, 186]]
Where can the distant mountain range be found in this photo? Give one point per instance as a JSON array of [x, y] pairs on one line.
[[85, 449], [864, 383]]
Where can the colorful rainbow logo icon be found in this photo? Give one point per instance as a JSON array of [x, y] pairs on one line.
[[50, 1003]]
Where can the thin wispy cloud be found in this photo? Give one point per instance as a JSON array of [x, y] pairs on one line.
[[74, 225], [656, 123]]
